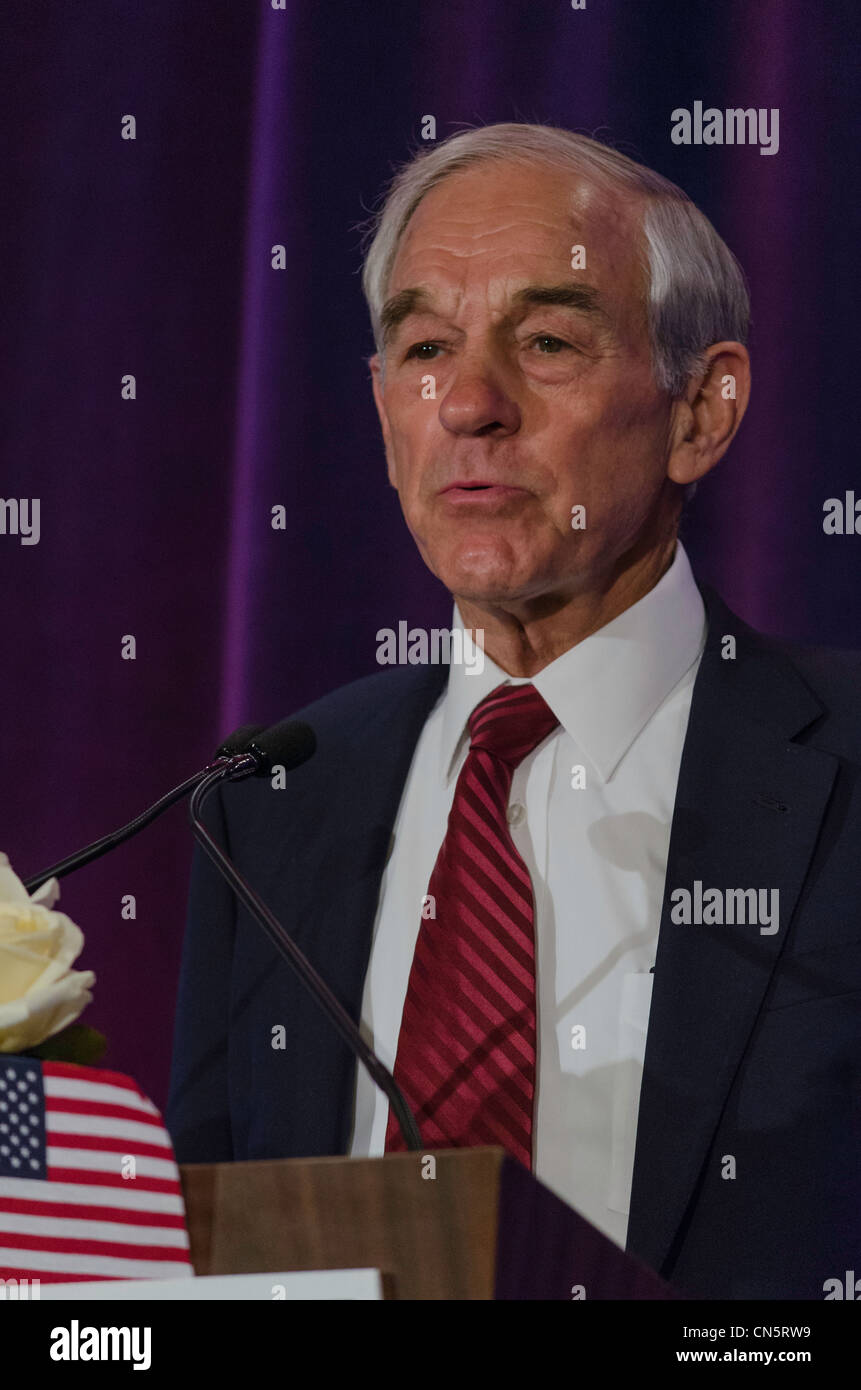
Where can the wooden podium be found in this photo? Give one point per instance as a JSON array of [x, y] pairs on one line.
[[481, 1228]]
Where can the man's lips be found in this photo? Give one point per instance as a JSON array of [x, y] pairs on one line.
[[480, 492]]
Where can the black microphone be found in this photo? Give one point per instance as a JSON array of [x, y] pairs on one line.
[[238, 741], [275, 746], [288, 744], [234, 760]]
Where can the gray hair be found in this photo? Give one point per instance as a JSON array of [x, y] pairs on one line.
[[696, 289]]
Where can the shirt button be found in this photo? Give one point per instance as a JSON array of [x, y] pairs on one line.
[[516, 813]]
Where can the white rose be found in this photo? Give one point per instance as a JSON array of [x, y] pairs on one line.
[[39, 993]]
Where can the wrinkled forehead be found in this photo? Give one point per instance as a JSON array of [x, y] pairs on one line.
[[489, 228]]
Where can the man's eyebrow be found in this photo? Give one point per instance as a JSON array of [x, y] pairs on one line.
[[398, 308], [568, 295]]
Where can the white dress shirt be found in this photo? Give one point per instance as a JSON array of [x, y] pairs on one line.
[[597, 856]]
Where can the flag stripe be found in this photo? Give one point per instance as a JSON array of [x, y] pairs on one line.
[[80, 1245], [87, 1211], [121, 1148], [95, 1161], [59, 1088], [80, 1228], [20, 1263], [106, 1126], [111, 1179], [63, 1105]]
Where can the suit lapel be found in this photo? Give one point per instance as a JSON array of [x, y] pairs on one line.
[[748, 808], [361, 767]]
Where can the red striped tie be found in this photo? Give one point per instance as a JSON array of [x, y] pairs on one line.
[[466, 1050]]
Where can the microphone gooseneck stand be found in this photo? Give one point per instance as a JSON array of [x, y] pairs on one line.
[[244, 764], [286, 947]]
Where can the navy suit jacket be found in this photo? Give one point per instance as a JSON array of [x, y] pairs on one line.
[[753, 1054]]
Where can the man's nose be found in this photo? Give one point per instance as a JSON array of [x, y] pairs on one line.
[[477, 402]]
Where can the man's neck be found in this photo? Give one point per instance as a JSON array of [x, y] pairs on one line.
[[522, 637]]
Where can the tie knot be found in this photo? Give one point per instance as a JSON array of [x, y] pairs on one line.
[[510, 722]]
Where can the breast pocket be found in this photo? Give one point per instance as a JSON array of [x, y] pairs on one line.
[[817, 975]]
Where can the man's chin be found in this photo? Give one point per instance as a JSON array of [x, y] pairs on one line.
[[486, 576], [489, 589], [495, 596], [510, 590]]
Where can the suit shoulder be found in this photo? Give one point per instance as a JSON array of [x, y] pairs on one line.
[[833, 673], [833, 676], [813, 689]]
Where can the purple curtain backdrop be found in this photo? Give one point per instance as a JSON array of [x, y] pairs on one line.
[[258, 126]]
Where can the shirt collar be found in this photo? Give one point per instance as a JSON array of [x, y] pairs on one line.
[[605, 689]]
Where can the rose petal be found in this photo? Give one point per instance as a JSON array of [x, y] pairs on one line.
[[26, 1022], [46, 894]]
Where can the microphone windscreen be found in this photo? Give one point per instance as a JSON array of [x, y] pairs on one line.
[[238, 741], [287, 745]]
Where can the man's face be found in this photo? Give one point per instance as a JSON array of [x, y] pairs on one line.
[[544, 394]]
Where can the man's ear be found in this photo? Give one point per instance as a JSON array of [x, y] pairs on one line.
[[707, 418], [376, 367]]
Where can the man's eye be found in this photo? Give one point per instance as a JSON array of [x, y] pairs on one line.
[[546, 343], [424, 352]]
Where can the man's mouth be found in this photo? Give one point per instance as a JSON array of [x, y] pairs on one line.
[[480, 491]]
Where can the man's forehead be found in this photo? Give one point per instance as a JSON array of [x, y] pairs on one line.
[[516, 226], [494, 197]]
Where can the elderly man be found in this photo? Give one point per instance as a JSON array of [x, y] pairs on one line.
[[596, 900]]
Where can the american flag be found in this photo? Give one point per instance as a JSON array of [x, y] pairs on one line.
[[89, 1187]]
